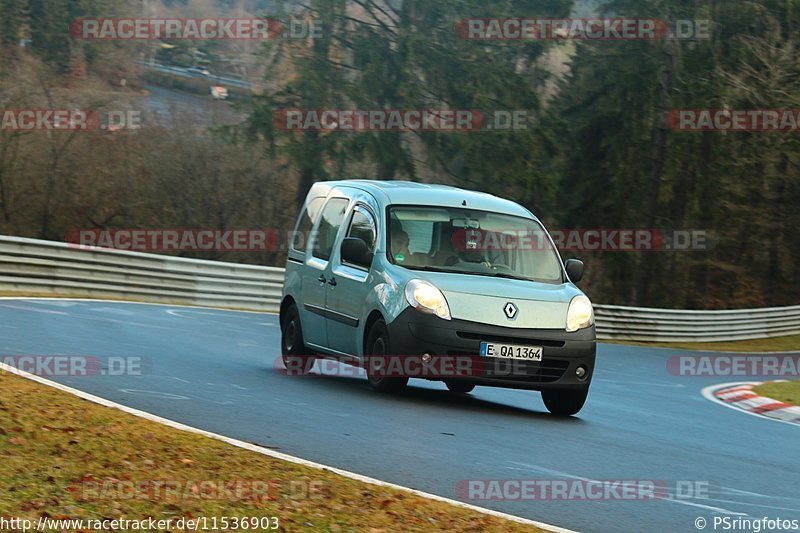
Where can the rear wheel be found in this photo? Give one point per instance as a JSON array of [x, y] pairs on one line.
[[459, 387], [293, 348], [378, 345], [564, 402]]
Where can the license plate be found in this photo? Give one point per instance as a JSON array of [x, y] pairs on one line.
[[511, 351]]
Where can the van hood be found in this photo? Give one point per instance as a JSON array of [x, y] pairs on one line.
[[484, 299]]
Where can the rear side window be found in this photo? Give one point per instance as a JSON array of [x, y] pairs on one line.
[[324, 237], [305, 222]]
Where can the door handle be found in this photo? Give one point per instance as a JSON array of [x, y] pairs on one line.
[[332, 282], [321, 278]]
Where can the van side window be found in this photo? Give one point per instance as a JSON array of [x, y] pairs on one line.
[[362, 226], [305, 222], [324, 237]]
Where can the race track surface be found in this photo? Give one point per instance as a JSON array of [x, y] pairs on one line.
[[216, 370]]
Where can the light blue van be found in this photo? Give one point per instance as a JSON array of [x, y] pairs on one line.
[[388, 269]]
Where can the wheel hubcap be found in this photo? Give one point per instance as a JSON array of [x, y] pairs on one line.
[[376, 364], [290, 334]]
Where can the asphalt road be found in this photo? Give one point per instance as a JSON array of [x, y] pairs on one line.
[[216, 370], [168, 108]]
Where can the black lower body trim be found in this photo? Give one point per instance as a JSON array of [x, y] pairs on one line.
[[332, 315]]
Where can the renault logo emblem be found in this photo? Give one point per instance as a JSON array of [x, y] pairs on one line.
[[510, 310]]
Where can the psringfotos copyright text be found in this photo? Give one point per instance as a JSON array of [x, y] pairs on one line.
[[754, 525]]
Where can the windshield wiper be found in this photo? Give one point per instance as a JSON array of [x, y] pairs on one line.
[[506, 276], [511, 276], [500, 275], [430, 268]]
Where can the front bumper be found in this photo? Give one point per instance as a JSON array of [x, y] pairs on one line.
[[415, 333]]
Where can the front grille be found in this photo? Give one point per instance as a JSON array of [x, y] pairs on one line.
[[509, 340], [545, 371]]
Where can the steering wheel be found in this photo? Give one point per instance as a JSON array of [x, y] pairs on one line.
[[496, 266]]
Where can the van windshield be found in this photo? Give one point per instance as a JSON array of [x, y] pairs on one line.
[[466, 241]]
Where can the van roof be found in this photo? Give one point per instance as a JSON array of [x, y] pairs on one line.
[[412, 193]]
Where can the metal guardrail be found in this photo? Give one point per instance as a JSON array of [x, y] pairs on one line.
[[34, 266], [43, 267], [673, 325], [186, 73]]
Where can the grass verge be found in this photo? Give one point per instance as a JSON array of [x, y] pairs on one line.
[[774, 344], [785, 391], [65, 457]]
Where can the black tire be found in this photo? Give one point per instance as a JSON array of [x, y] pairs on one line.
[[564, 402], [459, 386], [378, 345], [293, 349]]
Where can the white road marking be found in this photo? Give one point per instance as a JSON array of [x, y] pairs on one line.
[[179, 313], [115, 310], [60, 302], [34, 310], [118, 321], [156, 394], [558, 473]]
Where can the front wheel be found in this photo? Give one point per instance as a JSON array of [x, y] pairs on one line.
[[378, 346], [292, 344], [564, 402]]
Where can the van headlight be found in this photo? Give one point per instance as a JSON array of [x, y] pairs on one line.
[[424, 297], [580, 314]]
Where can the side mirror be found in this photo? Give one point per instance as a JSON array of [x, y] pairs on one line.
[[356, 252], [574, 270]]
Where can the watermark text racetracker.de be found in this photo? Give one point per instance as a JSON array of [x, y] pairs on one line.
[[494, 364], [775, 366], [584, 240], [207, 29], [53, 366], [734, 120], [585, 29], [14, 120], [274, 240], [413, 120], [634, 490], [424, 366], [176, 490], [178, 239]]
